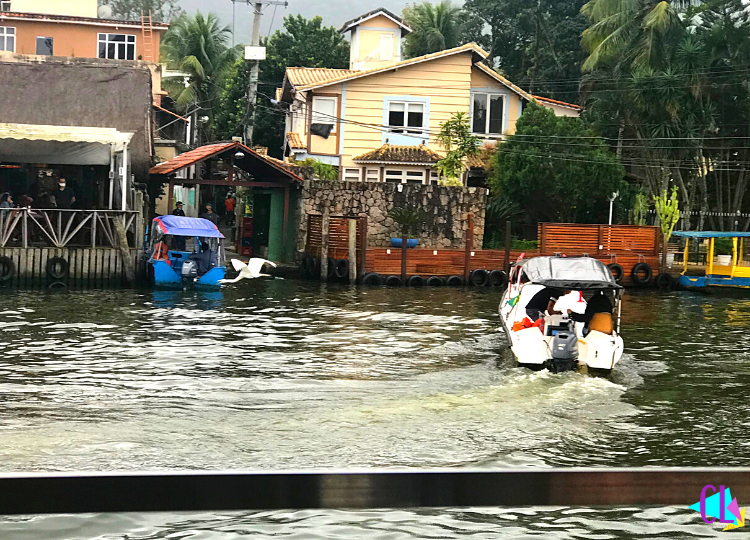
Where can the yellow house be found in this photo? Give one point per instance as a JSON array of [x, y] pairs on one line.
[[378, 120]]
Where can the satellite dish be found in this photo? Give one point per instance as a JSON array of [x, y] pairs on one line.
[[105, 12]]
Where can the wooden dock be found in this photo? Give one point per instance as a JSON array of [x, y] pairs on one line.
[[87, 268]]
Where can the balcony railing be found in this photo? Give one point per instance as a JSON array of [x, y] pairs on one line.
[[31, 227]]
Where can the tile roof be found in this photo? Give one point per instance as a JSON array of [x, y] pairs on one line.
[[349, 74], [83, 20], [391, 153], [294, 140], [555, 102], [378, 11], [204, 152], [301, 76]]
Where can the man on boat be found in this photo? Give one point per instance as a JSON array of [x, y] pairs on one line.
[[179, 241], [542, 301], [598, 314]]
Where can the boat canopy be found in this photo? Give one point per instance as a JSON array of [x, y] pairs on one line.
[[711, 234], [574, 273], [188, 226]]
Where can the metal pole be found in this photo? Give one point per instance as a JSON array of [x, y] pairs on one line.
[[125, 176], [252, 90], [611, 202]]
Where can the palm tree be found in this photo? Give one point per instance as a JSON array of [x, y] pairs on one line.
[[434, 27], [197, 46], [629, 33]]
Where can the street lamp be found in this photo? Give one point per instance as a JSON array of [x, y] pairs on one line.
[[611, 202]]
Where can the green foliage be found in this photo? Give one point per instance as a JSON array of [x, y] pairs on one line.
[[640, 208], [198, 46], [323, 171], [535, 44], [555, 169], [436, 27], [130, 10], [459, 142], [668, 211], [302, 43], [723, 246], [408, 218]]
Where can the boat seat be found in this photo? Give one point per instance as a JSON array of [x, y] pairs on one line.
[[601, 322]]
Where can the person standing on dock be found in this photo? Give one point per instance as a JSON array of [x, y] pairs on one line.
[[178, 211], [210, 215], [178, 241], [64, 196]]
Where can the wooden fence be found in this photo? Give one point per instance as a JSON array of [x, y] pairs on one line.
[[598, 240], [87, 268], [338, 235]]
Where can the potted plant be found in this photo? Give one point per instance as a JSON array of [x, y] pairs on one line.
[[723, 251], [407, 220]]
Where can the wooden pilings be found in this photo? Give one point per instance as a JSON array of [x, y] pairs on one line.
[[87, 267]]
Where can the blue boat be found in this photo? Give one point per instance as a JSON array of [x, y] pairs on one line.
[[726, 271], [185, 252]]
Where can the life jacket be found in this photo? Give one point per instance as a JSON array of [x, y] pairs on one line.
[[161, 253], [601, 322]]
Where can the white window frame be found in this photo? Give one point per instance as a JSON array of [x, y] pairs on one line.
[[103, 38], [372, 175], [352, 174], [405, 176], [410, 131], [5, 34], [490, 94], [5, 6], [325, 119]]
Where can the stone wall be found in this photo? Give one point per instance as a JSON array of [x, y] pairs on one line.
[[446, 209]]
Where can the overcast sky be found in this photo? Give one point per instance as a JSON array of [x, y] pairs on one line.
[[334, 12]]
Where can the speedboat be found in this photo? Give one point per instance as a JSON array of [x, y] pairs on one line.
[[557, 342], [184, 252]]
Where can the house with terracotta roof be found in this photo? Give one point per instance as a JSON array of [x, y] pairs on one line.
[[378, 121]]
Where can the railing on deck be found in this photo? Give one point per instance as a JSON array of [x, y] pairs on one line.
[[204, 491], [25, 227]]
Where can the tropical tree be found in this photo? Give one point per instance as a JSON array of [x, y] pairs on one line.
[[459, 143], [555, 169], [198, 46], [302, 43], [130, 10], [436, 27]]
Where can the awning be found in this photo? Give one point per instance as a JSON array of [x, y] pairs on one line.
[[188, 226], [711, 234], [569, 273], [60, 145]]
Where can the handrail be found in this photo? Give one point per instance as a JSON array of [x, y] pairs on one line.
[[43, 493]]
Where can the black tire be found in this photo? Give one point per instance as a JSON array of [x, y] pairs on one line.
[[331, 270], [434, 281], [341, 268], [57, 285], [617, 271], [498, 278], [415, 281], [372, 278], [7, 268], [641, 274], [454, 281], [393, 281], [57, 268], [314, 267], [304, 266], [664, 281], [479, 277]]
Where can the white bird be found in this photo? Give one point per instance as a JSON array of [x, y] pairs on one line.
[[248, 271]]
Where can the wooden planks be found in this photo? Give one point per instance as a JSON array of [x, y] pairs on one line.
[[87, 267], [596, 240]]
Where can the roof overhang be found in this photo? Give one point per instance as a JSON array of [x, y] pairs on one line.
[[89, 21], [502, 80], [371, 15], [409, 163], [60, 145]]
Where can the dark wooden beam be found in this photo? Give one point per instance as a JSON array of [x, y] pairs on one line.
[[182, 181]]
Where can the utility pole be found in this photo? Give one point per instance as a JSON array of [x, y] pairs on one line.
[[252, 89]]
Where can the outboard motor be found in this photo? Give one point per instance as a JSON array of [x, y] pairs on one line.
[[189, 272], [564, 352]]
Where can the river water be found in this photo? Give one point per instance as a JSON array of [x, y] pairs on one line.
[[285, 374]]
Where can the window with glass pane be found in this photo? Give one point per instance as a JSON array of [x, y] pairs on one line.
[[324, 110], [487, 113], [117, 46], [415, 116], [45, 46], [7, 39], [396, 115], [5, 5]]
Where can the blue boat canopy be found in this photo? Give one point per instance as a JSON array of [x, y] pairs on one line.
[[711, 234], [188, 226]]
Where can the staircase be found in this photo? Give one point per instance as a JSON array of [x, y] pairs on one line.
[[148, 36]]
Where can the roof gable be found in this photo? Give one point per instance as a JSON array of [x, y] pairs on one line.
[[348, 25]]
